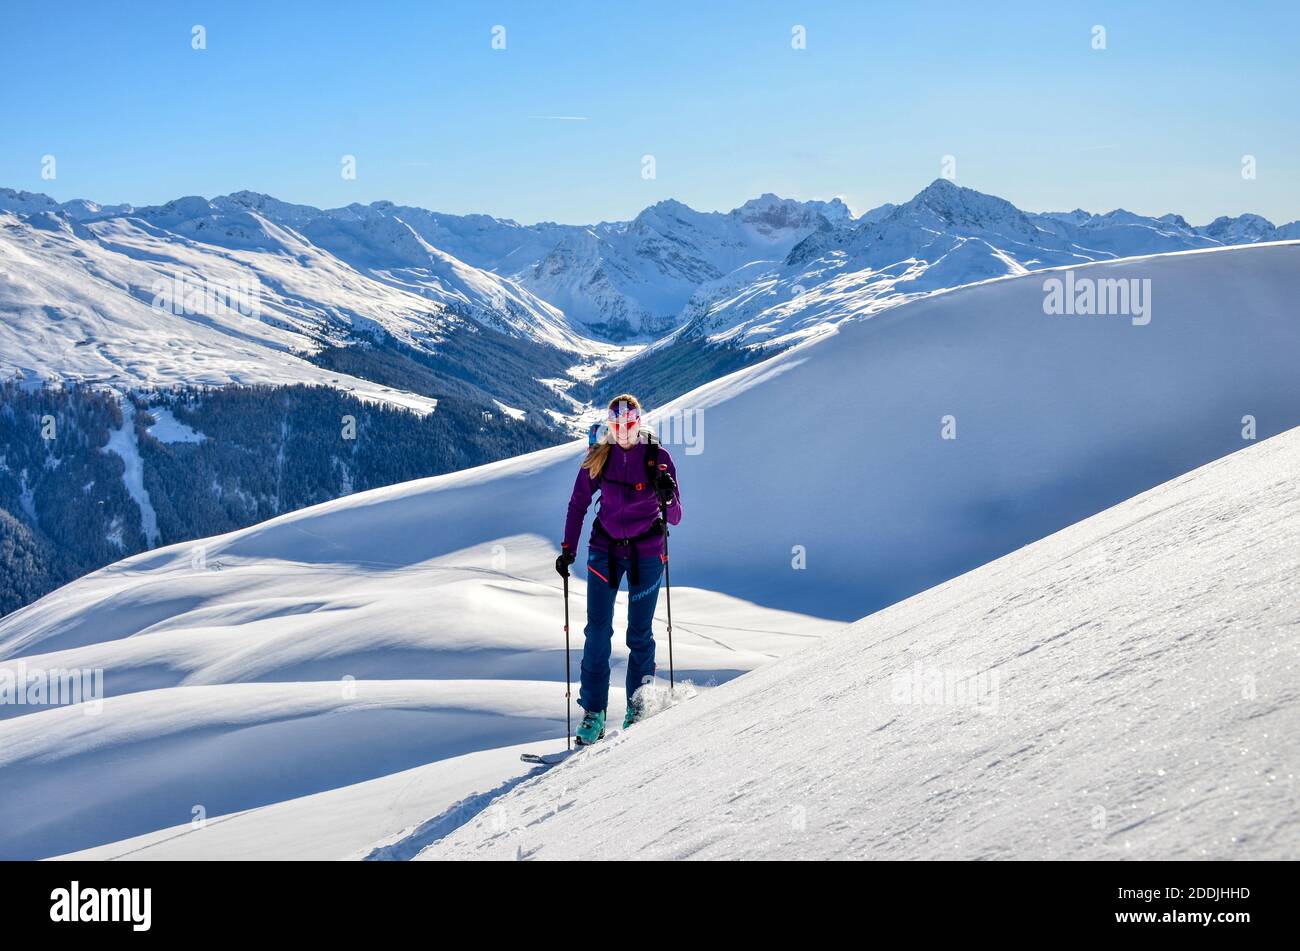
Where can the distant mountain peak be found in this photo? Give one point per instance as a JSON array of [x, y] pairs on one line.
[[668, 206], [247, 197], [1245, 228], [1246, 219], [178, 209], [19, 195], [945, 195], [942, 186], [945, 205], [773, 215]]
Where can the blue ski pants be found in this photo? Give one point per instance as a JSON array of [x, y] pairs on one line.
[[603, 568]]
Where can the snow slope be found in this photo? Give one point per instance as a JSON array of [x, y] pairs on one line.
[[385, 247], [383, 818], [236, 681], [1133, 693], [838, 443], [822, 486], [77, 303], [122, 300]]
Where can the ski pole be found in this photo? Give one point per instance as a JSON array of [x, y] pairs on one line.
[[568, 683], [668, 592]]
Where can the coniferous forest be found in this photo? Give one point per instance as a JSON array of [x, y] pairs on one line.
[[251, 452]]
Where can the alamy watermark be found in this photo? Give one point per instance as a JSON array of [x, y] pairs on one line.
[[78, 903], [1098, 297], [920, 685], [682, 427], [184, 295], [21, 685]]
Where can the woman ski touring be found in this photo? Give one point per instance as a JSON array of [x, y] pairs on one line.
[[638, 485]]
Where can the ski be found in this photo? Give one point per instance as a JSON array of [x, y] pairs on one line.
[[548, 759]]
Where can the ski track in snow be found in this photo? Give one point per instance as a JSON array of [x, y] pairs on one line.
[[122, 442], [412, 842]]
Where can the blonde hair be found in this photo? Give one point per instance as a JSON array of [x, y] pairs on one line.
[[598, 454]]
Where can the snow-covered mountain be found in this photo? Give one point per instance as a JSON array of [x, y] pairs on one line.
[[78, 209], [140, 299], [946, 236], [990, 237], [272, 674], [632, 280], [1248, 229], [80, 302], [382, 247], [617, 280], [381, 244], [765, 274]]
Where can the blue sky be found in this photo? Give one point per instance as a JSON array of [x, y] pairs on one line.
[[1156, 122]]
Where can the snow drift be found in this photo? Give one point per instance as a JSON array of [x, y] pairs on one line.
[[235, 683]]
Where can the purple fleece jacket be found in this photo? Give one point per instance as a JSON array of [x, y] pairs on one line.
[[624, 510]]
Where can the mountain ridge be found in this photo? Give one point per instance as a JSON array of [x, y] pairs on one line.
[[645, 278]]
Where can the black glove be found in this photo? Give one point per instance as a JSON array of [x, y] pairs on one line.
[[665, 488], [562, 563]]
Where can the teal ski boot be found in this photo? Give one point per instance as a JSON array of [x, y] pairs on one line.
[[592, 728], [633, 714]]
